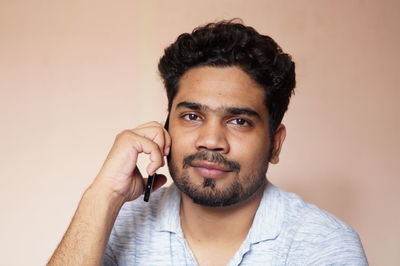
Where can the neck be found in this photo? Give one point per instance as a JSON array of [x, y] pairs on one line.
[[219, 224]]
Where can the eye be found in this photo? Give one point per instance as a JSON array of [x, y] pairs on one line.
[[191, 117], [240, 122]]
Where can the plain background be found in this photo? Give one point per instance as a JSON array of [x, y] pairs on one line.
[[73, 74]]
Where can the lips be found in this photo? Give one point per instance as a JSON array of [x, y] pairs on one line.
[[208, 169]]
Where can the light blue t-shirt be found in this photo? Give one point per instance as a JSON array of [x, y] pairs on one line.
[[285, 231]]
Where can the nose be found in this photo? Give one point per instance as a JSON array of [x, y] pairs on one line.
[[212, 136]]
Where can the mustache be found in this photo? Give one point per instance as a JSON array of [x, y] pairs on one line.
[[213, 157]]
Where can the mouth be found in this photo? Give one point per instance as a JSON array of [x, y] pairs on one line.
[[208, 169]]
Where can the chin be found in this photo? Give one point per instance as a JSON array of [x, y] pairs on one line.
[[210, 194]]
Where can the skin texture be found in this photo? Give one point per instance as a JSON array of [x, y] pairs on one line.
[[215, 128], [208, 125], [118, 181]]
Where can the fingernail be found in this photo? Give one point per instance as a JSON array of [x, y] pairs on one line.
[[166, 150], [150, 170]]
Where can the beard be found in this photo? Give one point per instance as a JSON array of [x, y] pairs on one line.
[[208, 193]]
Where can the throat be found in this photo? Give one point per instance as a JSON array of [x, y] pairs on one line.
[[214, 234], [214, 245]]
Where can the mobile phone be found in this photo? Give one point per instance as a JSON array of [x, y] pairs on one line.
[[150, 180], [149, 187]]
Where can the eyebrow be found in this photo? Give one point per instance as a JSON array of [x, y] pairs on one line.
[[230, 110], [189, 105], [243, 111]]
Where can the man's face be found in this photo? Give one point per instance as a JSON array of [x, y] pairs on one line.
[[220, 136]]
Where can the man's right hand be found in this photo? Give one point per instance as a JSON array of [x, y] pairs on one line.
[[118, 181], [119, 174]]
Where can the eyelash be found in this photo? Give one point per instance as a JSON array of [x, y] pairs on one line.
[[186, 117], [246, 122], [196, 117]]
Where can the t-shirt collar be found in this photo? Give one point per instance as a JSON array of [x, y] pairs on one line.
[[168, 211], [266, 224], [269, 216]]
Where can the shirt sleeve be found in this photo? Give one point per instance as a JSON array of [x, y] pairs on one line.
[[341, 247], [109, 258]]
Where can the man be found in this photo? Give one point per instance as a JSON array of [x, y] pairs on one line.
[[228, 88]]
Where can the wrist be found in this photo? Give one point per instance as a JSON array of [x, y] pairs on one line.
[[102, 194]]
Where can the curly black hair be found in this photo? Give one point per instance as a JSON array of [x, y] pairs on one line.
[[230, 43]]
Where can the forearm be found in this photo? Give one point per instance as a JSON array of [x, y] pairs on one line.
[[118, 181], [85, 240]]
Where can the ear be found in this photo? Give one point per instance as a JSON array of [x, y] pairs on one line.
[[277, 141]]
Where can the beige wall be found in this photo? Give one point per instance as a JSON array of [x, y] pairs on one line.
[[75, 73]]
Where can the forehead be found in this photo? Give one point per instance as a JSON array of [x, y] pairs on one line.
[[218, 87]]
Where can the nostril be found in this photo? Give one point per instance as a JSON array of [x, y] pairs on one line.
[[200, 148]]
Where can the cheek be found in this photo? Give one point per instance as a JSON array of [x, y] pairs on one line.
[[251, 153], [252, 159], [181, 145]]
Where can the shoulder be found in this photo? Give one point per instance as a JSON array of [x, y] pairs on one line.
[[138, 219], [317, 235], [138, 232], [139, 212], [306, 217]]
